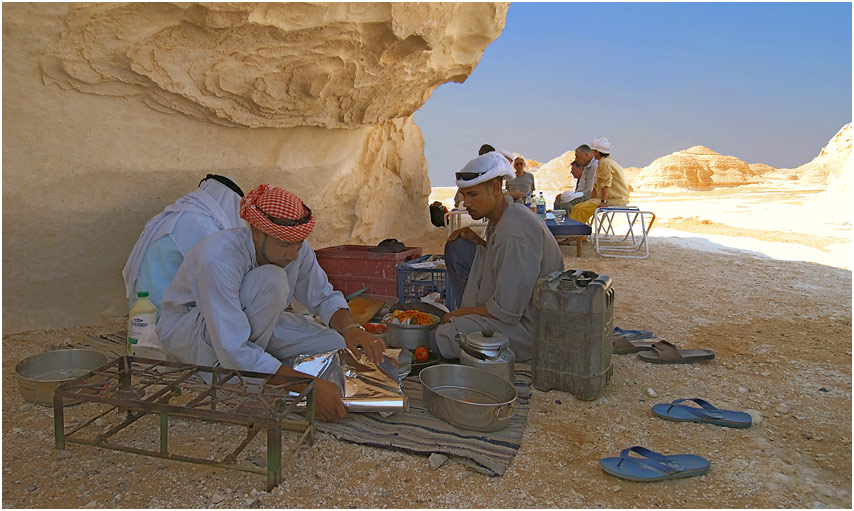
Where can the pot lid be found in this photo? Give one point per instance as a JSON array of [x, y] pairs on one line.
[[487, 340]]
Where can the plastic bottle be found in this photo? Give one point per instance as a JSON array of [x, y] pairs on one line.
[[541, 207], [142, 314]]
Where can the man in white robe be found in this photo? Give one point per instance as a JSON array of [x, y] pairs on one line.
[[225, 306], [518, 250], [167, 237]]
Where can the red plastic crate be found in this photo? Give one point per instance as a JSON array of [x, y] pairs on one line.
[[353, 267]]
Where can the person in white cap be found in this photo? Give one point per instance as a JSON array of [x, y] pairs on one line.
[[610, 187], [497, 293], [522, 183]]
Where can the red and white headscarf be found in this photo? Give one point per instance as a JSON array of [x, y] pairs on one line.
[[278, 203]]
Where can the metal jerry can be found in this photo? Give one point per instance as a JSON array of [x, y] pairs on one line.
[[573, 321]]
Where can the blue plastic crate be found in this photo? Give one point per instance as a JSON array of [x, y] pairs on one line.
[[413, 283]]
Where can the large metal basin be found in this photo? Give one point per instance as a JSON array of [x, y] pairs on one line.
[[467, 397], [39, 375], [410, 337]]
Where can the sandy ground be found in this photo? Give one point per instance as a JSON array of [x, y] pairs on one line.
[[781, 330]]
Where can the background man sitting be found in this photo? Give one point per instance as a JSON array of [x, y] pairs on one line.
[[610, 187], [583, 169], [497, 293]]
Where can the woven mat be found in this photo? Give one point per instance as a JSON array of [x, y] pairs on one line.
[[417, 431]]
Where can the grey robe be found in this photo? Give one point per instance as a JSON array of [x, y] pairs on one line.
[[519, 250]]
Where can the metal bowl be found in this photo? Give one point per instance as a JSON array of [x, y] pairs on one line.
[[467, 397], [39, 375], [410, 337]]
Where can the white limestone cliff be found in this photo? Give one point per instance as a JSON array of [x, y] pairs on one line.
[[113, 111]]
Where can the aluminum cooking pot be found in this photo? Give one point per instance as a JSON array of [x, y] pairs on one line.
[[39, 376], [410, 337], [467, 397]]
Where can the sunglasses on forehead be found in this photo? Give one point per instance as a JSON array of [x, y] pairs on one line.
[[287, 222], [468, 176]]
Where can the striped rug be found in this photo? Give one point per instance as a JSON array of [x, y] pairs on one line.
[[417, 431]]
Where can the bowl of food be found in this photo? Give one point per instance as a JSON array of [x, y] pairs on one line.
[[409, 329]]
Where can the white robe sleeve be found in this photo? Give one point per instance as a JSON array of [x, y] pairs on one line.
[[313, 288], [226, 323]]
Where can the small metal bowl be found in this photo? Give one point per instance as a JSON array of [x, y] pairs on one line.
[[39, 375]]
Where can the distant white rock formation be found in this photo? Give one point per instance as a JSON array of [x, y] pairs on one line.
[[696, 168]]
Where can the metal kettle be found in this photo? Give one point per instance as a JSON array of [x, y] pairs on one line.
[[490, 351]]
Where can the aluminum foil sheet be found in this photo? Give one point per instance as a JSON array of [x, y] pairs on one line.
[[365, 386]]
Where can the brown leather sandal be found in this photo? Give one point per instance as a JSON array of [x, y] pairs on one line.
[[664, 352], [622, 346]]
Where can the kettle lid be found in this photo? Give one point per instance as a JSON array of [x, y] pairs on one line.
[[487, 339]]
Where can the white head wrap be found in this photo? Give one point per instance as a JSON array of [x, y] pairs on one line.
[[504, 153], [489, 166], [602, 145]]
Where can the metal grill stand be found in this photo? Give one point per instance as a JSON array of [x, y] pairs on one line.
[[140, 386]]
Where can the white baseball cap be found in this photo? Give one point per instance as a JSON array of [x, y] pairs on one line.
[[602, 145]]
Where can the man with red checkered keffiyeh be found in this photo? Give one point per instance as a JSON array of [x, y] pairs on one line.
[[225, 305]]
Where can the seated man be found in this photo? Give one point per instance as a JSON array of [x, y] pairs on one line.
[[518, 249], [610, 187], [167, 237], [584, 171], [225, 305]]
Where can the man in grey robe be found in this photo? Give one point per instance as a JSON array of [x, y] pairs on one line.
[[518, 250]]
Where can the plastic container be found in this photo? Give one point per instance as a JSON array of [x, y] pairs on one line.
[[573, 322], [142, 314], [413, 283], [353, 267]]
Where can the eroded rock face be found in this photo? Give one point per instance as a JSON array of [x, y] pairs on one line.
[[339, 65], [832, 167], [696, 168], [113, 111]]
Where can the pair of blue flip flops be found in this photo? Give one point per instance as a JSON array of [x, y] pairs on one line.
[[654, 466]]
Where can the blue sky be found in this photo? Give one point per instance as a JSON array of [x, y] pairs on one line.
[[765, 82]]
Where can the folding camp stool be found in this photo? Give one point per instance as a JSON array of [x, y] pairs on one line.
[[608, 226]]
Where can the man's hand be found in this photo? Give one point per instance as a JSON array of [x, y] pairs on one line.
[[516, 194], [327, 398], [356, 337], [343, 323], [467, 234]]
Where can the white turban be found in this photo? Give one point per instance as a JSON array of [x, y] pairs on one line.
[[505, 154], [602, 145], [487, 166]]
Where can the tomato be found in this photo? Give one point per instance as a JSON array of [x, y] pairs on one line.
[[421, 354]]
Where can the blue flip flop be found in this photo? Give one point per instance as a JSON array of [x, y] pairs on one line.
[[708, 413], [632, 335], [654, 466]]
